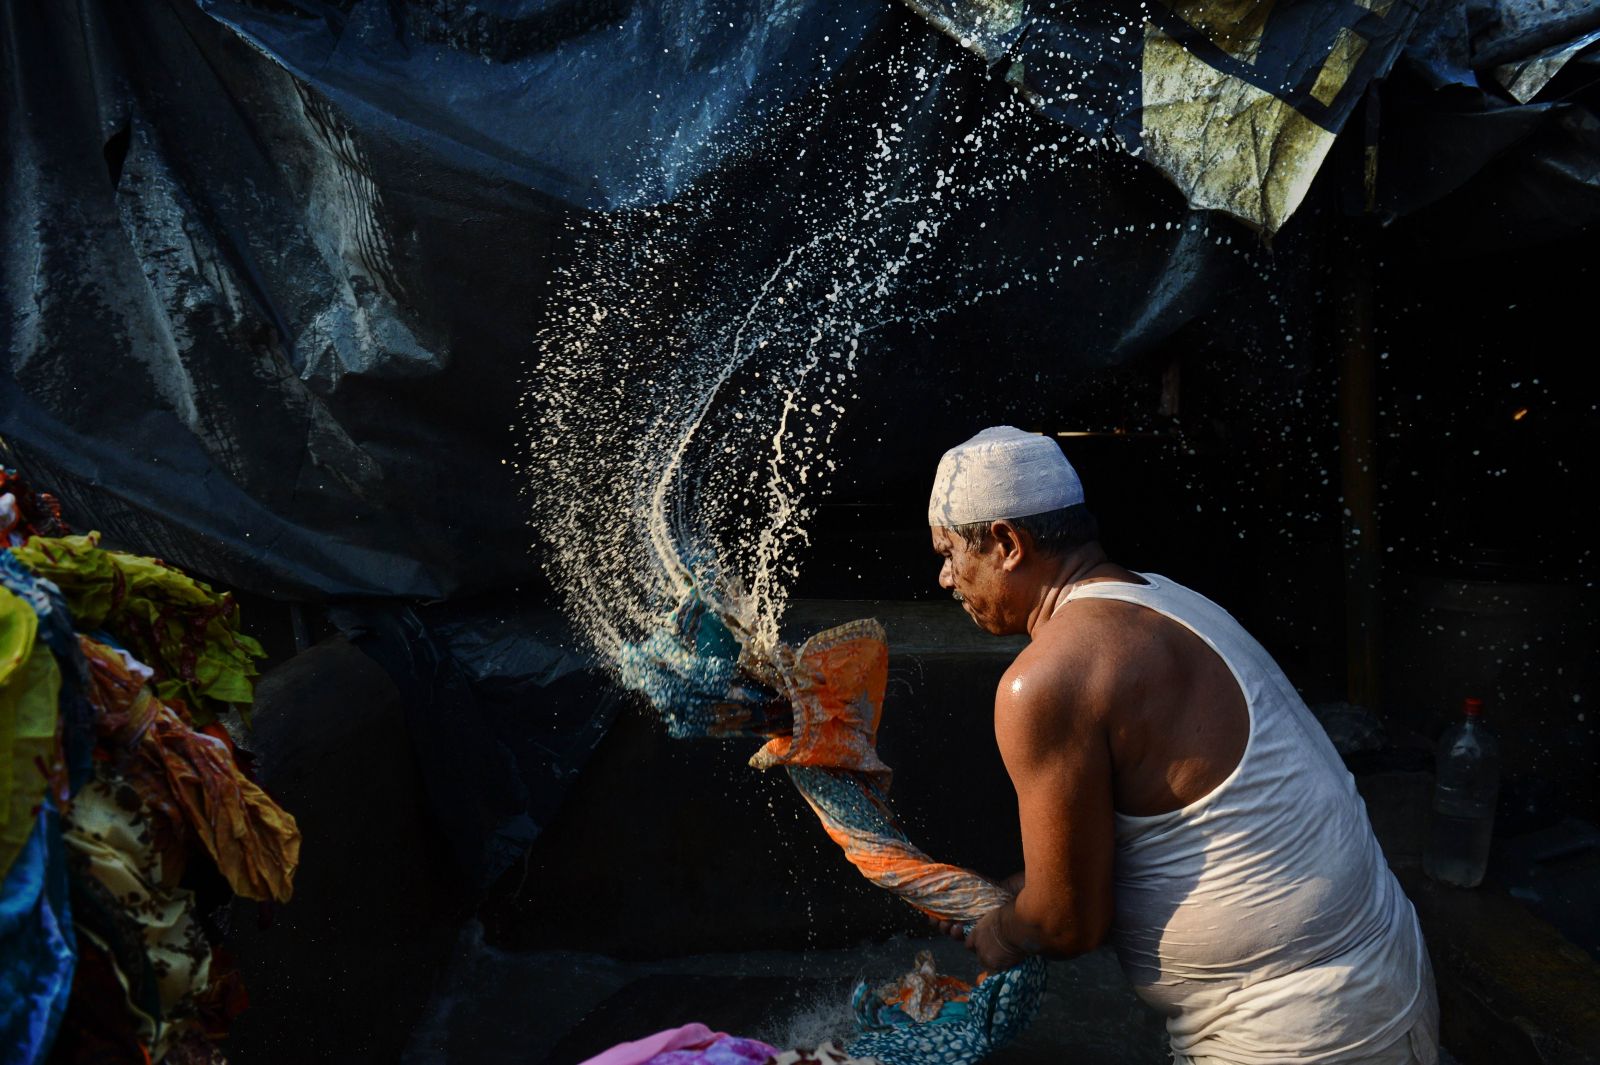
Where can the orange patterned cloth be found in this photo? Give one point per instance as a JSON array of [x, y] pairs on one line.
[[818, 708], [835, 683], [191, 782]]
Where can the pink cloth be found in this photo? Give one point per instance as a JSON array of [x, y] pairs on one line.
[[694, 1036]]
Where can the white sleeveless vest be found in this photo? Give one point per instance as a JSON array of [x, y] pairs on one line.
[[1262, 920]]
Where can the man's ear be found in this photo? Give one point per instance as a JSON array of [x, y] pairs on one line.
[[1013, 545]]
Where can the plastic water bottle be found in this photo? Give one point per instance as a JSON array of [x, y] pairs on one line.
[[1466, 783]]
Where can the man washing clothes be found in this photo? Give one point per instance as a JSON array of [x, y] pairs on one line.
[[1175, 793]]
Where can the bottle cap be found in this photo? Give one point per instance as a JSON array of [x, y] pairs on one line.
[[1472, 707]]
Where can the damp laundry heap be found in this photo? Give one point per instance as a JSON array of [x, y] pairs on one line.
[[118, 788]]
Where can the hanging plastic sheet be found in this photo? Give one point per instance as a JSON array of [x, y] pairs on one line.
[[501, 712], [303, 247], [1237, 102], [273, 269], [1490, 132]]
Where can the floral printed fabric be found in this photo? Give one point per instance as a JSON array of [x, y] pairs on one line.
[[128, 974], [146, 925], [965, 1028], [826, 1054]]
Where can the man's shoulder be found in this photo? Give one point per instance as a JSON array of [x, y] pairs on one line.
[[1092, 638], [1079, 661], [1057, 676]]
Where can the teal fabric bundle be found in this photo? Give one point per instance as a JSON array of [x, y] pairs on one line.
[[688, 667]]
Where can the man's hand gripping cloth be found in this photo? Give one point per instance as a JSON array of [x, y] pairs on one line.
[[821, 706]]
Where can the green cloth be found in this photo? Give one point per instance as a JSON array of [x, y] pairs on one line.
[[171, 622], [30, 686]]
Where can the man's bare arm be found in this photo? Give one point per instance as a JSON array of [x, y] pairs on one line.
[[1054, 746]]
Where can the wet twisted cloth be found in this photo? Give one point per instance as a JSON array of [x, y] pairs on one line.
[[819, 707]]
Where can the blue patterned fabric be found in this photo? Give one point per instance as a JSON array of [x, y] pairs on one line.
[[999, 1009], [850, 798], [37, 949]]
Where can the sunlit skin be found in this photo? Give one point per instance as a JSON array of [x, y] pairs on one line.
[[1110, 707]]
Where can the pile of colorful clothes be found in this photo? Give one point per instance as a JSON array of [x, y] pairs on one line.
[[127, 817]]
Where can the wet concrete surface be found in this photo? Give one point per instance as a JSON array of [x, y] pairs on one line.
[[560, 1007]]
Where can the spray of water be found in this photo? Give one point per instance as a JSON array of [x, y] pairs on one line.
[[703, 353]]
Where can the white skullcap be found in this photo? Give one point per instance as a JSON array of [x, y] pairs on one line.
[[1002, 472]]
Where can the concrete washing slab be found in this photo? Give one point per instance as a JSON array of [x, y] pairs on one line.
[[560, 1007]]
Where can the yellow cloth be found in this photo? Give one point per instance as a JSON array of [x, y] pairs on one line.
[[178, 626], [30, 754]]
